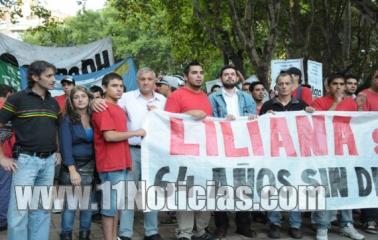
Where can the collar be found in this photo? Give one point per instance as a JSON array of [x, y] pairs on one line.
[[30, 91], [292, 101], [155, 96], [229, 95]]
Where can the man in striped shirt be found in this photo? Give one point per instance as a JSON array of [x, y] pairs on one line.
[[34, 115]]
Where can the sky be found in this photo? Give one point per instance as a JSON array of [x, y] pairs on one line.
[[70, 7]]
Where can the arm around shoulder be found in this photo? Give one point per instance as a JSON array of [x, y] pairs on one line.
[[116, 136]]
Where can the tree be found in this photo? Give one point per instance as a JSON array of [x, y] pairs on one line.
[[331, 32], [369, 10], [176, 22], [13, 8], [166, 34], [129, 37]]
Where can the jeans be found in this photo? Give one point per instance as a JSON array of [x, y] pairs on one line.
[[68, 216], [369, 215], [323, 218], [242, 220], [113, 177], [127, 216], [186, 220], [295, 218], [27, 224], [5, 186]]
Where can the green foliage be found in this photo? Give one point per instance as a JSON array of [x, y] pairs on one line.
[[146, 30], [167, 34], [11, 7]]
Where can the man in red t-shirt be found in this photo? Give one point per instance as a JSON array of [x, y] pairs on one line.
[[191, 100], [68, 83], [367, 100], [351, 84], [300, 92], [111, 147], [336, 100]]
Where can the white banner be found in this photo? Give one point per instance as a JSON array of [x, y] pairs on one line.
[[210, 84], [81, 59], [315, 77], [126, 68], [337, 151], [278, 65]]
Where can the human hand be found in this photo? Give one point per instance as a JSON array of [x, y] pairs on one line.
[[309, 109], [75, 177], [99, 105], [197, 114], [230, 117], [8, 164]]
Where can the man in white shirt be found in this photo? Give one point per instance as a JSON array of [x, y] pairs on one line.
[[231, 103], [136, 104]]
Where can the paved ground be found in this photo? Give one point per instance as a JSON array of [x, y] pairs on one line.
[[167, 231]]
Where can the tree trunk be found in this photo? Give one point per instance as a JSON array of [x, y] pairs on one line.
[[237, 60], [262, 72]]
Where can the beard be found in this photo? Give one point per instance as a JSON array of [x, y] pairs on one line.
[[229, 85]]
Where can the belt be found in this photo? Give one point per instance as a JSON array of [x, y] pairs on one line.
[[135, 146], [37, 154]]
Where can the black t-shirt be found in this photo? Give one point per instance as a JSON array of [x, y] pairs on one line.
[[273, 104], [34, 120]]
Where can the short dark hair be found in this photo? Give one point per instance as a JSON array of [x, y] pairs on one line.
[[348, 76], [110, 76], [227, 67], [254, 84], [37, 68], [187, 67], [334, 76], [214, 86], [284, 74], [295, 71], [96, 88], [5, 89]]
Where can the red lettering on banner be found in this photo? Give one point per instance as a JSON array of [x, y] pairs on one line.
[[280, 137], [343, 135], [255, 137], [312, 138], [178, 146], [211, 139], [229, 142]]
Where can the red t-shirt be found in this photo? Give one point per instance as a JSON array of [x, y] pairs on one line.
[[325, 103], [8, 144], [258, 110], [184, 99], [371, 103], [110, 156], [61, 101], [306, 95]]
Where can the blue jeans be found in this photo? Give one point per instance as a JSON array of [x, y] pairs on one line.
[[5, 186], [127, 216], [295, 218], [68, 216], [25, 224], [113, 177], [323, 218]]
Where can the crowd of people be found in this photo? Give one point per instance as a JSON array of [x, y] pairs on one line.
[[97, 135]]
